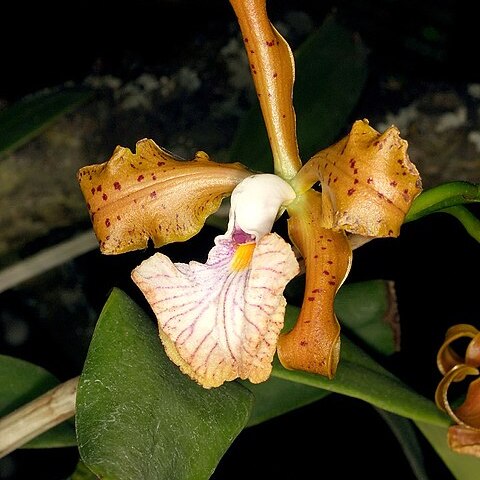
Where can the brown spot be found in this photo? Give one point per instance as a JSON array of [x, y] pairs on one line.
[[160, 164], [107, 222], [369, 180], [316, 290], [335, 179], [271, 43], [153, 194], [245, 39], [99, 188], [140, 178], [118, 217], [154, 177], [326, 272], [329, 262], [311, 299], [303, 343], [323, 248], [356, 181], [331, 282], [275, 75], [117, 186], [393, 183], [351, 191], [355, 171], [104, 196], [390, 232], [88, 206], [315, 256]]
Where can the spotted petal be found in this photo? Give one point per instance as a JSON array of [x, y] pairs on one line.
[[368, 181], [152, 194], [220, 320]]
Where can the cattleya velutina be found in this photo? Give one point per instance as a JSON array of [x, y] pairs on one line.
[[464, 436], [222, 320]]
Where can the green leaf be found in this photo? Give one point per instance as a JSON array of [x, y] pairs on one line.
[[21, 382], [330, 74], [28, 117], [446, 195], [359, 376], [276, 397], [463, 467], [374, 321], [406, 435], [138, 416]]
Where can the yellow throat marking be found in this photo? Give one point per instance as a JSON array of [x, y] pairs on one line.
[[242, 256]]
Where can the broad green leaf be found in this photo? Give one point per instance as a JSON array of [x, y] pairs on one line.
[[330, 74], [21, 382], [28, 117], [138, 416], [373, 321], [276, 397], [463, 467], [406, 435], [359, 376]]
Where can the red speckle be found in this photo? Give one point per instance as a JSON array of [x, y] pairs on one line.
[[329, 262], [303, 343], [245, 40], [104, 196], [107, 237], [88, 206], [311, 299], [275, 75], [329, 240], [315, 256], [352, 163], [316, 290], [140, 178], [252, 51], [355, 181], [335, 179], [107, 222], [351, 191], [393, 183], [153, 194], [326, 272], [380, 195], [93, 191], [118, 217], [355, 171], [331, 282], [154, 177], [117, 186], [271, 43], [390, 232], [160, 164], [400, 161], [99, 188], [405, 191], [323, 248], [369, 180], [321, 236], [283, 116]]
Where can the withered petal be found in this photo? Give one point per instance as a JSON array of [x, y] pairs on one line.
[[462, 439]]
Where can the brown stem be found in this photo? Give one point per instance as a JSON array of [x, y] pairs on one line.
[[37, 416]]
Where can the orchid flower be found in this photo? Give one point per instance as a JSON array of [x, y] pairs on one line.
[[464, 436], [222, 320]]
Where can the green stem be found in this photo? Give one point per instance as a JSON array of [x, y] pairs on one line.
[[469, 221]]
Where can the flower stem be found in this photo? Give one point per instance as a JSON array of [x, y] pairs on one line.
[[37, 416]]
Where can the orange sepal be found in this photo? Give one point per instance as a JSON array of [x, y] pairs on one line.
[[151, 194], [313, 345]]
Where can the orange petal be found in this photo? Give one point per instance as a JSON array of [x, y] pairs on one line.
[[272, 67], [469, 412], [313, 345], [464, 440], [368, 181], [447, 357], [152, 194]]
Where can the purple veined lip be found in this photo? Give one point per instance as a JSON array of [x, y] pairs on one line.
[[240, 237]]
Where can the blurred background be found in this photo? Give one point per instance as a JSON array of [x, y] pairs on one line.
[[175, 71]]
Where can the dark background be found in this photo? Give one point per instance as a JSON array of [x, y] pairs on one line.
[[434, 263]]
